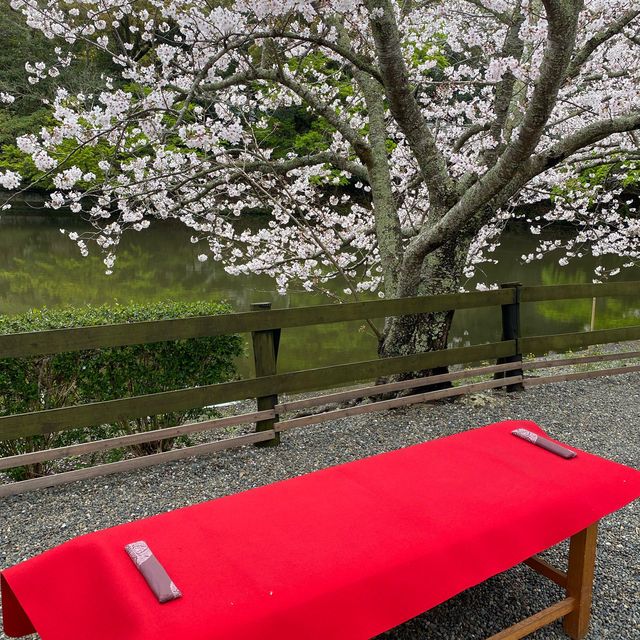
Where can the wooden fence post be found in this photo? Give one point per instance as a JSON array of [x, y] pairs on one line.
[[511, 331], [265, 356]]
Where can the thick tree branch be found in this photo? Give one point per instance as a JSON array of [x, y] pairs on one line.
[[405, 108], [581, 56], [562, 16], [581, 139], [558, 153], [536, 165], [387, 222], [513, 47]]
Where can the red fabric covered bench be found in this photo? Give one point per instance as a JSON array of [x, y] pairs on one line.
[[345, 553]]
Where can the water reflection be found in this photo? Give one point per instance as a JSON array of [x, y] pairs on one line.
[[40, 267]]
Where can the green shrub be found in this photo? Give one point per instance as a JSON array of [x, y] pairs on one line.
[[49, 381]]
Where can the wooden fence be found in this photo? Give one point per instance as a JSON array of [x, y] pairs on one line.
[[265, 325]]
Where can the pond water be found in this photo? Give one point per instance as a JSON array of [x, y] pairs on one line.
[[41, 267]]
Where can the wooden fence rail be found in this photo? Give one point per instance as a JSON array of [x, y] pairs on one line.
[[51, 420], [563, 341], [62, 340], [265, 326]]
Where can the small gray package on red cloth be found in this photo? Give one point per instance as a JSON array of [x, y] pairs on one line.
[[540, 441], [152, 571]]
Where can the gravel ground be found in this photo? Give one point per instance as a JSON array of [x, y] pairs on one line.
[[599, 415]]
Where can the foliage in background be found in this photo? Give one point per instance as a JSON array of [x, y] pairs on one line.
[[86, 159], [50, 381], [32, 108]]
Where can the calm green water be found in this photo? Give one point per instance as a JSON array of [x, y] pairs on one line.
[[40, 267]]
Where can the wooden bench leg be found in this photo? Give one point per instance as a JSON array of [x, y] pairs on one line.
[[582, 555]]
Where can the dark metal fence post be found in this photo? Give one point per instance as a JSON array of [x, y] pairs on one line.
[[511, 331], [265, 356]]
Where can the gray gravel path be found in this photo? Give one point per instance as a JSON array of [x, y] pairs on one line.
[[599, 415]]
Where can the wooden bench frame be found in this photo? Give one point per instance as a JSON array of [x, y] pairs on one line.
[[578, 583]]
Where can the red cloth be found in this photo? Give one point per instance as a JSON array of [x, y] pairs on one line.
[[346, 552]]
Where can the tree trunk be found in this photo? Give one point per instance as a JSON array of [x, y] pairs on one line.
[[441, 273]]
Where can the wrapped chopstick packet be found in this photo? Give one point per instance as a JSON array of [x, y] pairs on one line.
[[152, 571], [545, 443]]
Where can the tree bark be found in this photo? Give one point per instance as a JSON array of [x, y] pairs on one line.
[[441, 272]]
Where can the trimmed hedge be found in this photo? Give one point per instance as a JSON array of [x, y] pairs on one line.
[[49, 381]]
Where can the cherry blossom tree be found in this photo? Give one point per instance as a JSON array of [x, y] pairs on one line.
[[439, 120]]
